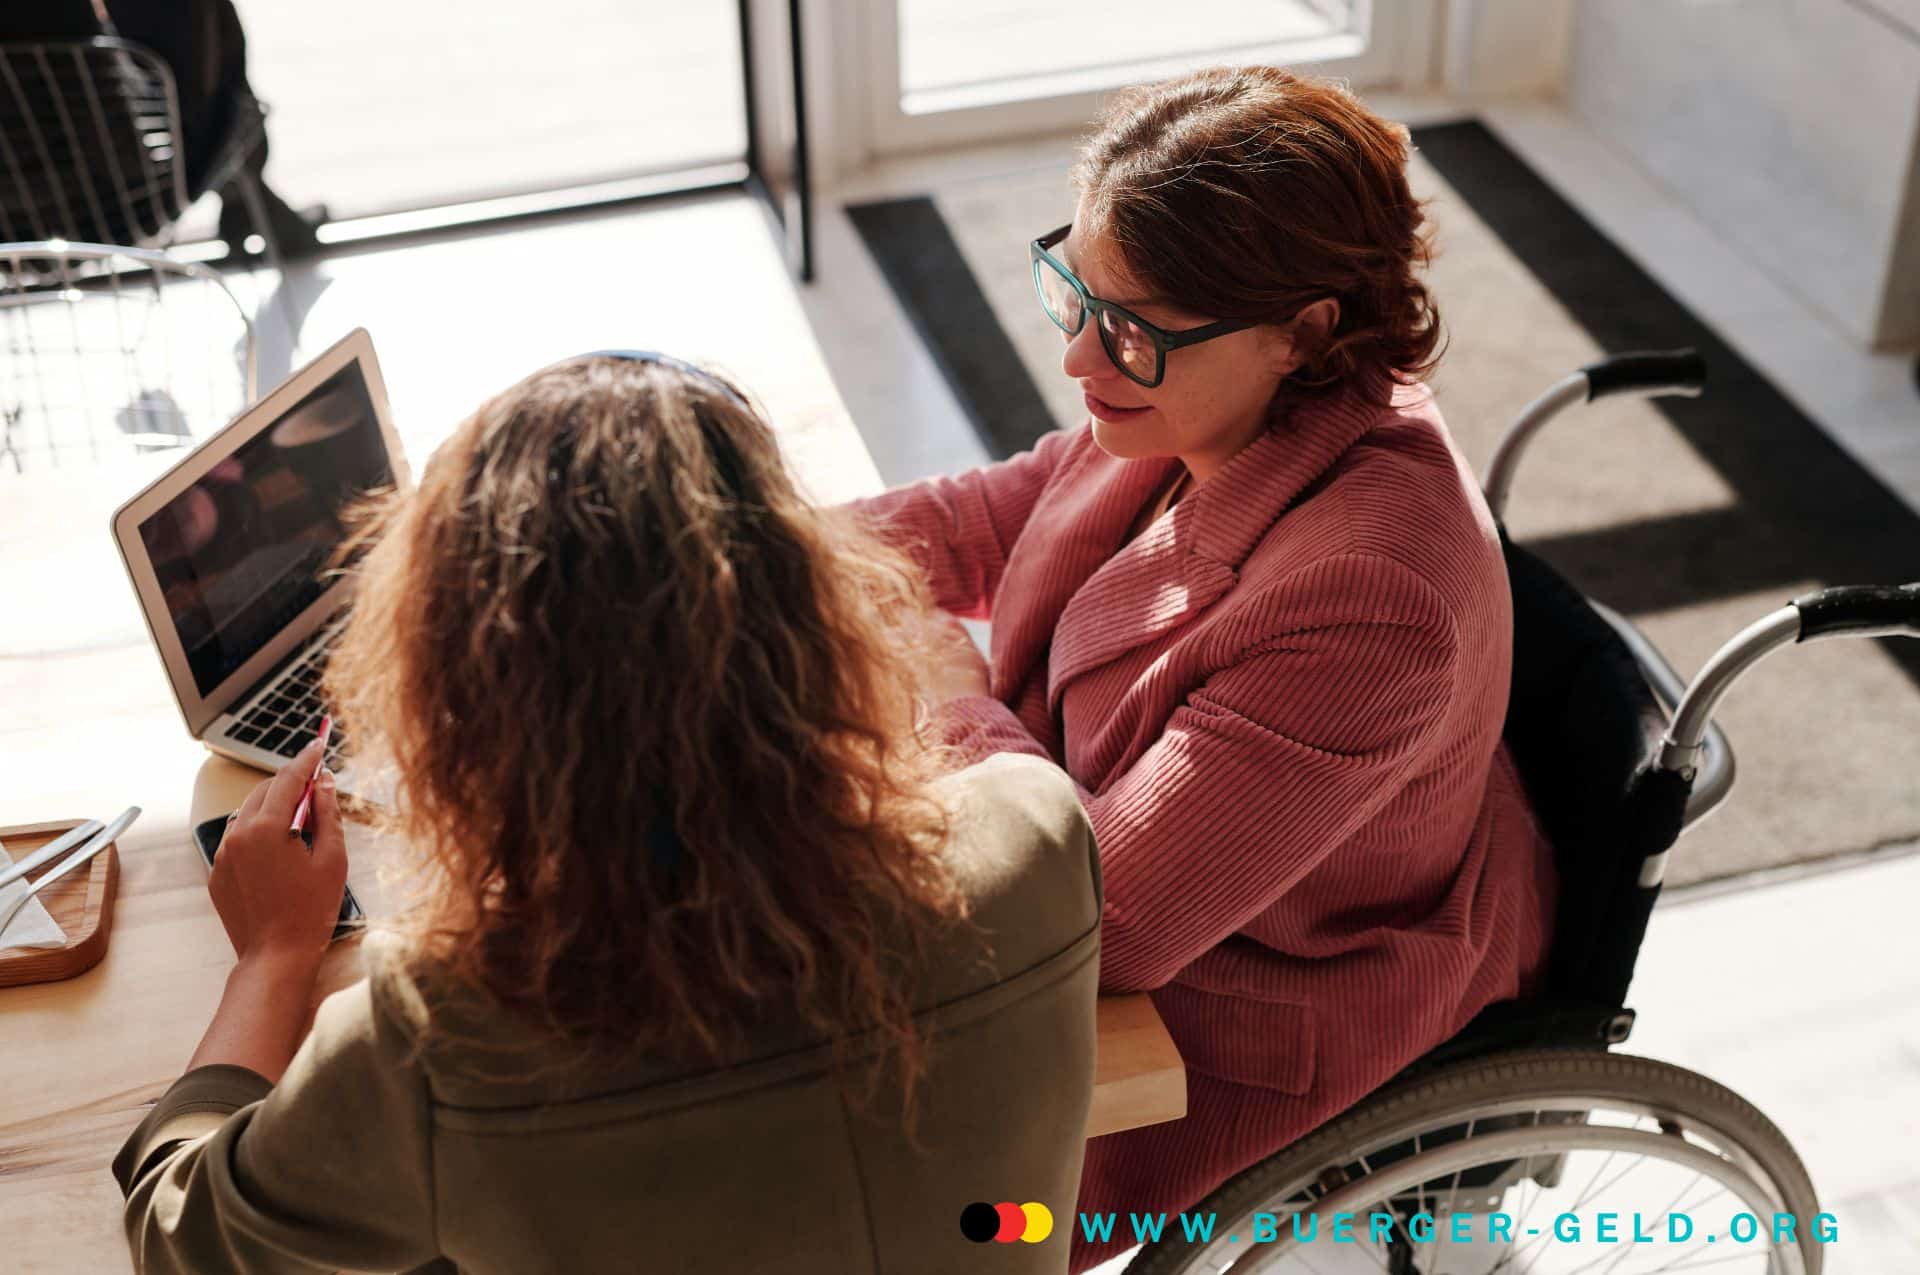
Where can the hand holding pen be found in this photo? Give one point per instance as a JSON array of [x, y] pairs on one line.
[[278, 905], [305, 807]]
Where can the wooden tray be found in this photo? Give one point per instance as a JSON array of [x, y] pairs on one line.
[[82, 903]]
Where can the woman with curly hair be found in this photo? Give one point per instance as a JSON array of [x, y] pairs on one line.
[[715, 958], [1258, 610]]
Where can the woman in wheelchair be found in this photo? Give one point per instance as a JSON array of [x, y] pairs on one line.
[[698, 895], [1257, 609]]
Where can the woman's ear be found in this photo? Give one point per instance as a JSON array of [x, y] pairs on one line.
[[1306, 335]]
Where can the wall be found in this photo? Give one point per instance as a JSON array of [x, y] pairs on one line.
[[1505, 48], [1790, 124]]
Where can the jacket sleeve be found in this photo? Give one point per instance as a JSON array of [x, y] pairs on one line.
[[961, 529], [328, 1170], [1265, 769]]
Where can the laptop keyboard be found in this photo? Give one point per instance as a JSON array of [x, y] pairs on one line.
[[287, 716]]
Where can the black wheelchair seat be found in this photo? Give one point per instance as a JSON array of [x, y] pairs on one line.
[[1583, 727]]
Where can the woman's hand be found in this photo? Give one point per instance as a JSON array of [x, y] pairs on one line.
[[954, 665], [278, 900]]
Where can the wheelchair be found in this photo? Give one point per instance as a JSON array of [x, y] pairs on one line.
[[1526, 1114]]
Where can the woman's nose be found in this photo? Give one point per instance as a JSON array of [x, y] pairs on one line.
[[1085, 357]]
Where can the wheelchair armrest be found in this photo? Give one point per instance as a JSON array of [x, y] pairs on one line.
[[1713, 778]]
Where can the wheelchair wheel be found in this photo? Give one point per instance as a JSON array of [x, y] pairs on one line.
[[1536, 1137]]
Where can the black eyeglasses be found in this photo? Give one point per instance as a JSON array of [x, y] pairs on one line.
[[1137, 348]]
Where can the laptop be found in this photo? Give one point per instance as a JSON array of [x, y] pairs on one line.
[[229, 553]]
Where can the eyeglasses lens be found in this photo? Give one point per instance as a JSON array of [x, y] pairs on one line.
[[1062, 302], [1131, 349]]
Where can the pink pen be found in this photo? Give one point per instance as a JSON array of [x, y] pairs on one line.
[[305, 807]]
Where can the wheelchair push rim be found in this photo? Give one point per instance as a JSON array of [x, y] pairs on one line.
[[1531, 1136]]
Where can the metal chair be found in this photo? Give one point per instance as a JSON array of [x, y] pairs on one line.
[[90, 147], [113, 352], [92, 181]]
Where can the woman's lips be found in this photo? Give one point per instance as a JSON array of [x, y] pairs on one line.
[[1109, 412]]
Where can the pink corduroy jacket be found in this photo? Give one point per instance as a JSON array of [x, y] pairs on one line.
[[1282, 705]]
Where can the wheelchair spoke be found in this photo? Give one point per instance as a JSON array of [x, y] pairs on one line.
[[1453, 1192], [1711, 1261], [1584, 1197], [1665, 1212], [1587, 1266], [1525, 1177], [1422, 1197], [1719, 1189], [1385, 1264], [1541, 1241]]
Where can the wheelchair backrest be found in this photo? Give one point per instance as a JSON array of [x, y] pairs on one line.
[[1583, 725]]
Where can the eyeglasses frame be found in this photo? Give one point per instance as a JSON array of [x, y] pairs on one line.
[[1092, 306]]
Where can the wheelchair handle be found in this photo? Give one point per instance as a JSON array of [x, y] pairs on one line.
[[1865, 610], [1644, 372], [1648, 373], [1851, 611]]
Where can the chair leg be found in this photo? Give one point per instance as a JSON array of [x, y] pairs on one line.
[[253, 194], [7, 448], [256, 201], [289, 233]]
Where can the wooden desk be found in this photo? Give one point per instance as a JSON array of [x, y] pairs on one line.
[[86, 727]]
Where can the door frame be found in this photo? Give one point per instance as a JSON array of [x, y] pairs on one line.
[[871, 123], [773, 77]]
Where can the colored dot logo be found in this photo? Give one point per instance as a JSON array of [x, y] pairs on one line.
[[1004, 1223]]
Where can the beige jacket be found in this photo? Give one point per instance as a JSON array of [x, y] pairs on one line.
[[370, 1155]]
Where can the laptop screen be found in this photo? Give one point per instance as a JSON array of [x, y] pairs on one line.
[[241, 553]]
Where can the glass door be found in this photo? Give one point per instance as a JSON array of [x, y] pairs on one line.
[[952, 71], [381, 108]]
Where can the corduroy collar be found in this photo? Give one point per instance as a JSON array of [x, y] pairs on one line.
[[1181, 565], [1228, 515]]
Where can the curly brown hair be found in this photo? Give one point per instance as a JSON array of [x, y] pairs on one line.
[[1248, 193], [652, 730]]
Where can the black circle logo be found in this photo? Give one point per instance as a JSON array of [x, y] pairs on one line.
[[980, 1223]]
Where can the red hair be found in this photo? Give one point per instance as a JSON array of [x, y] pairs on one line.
[[1248, 193]]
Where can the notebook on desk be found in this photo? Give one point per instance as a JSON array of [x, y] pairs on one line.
[[229, 553]]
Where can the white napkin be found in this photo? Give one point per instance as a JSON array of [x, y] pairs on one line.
[[33, 926]]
